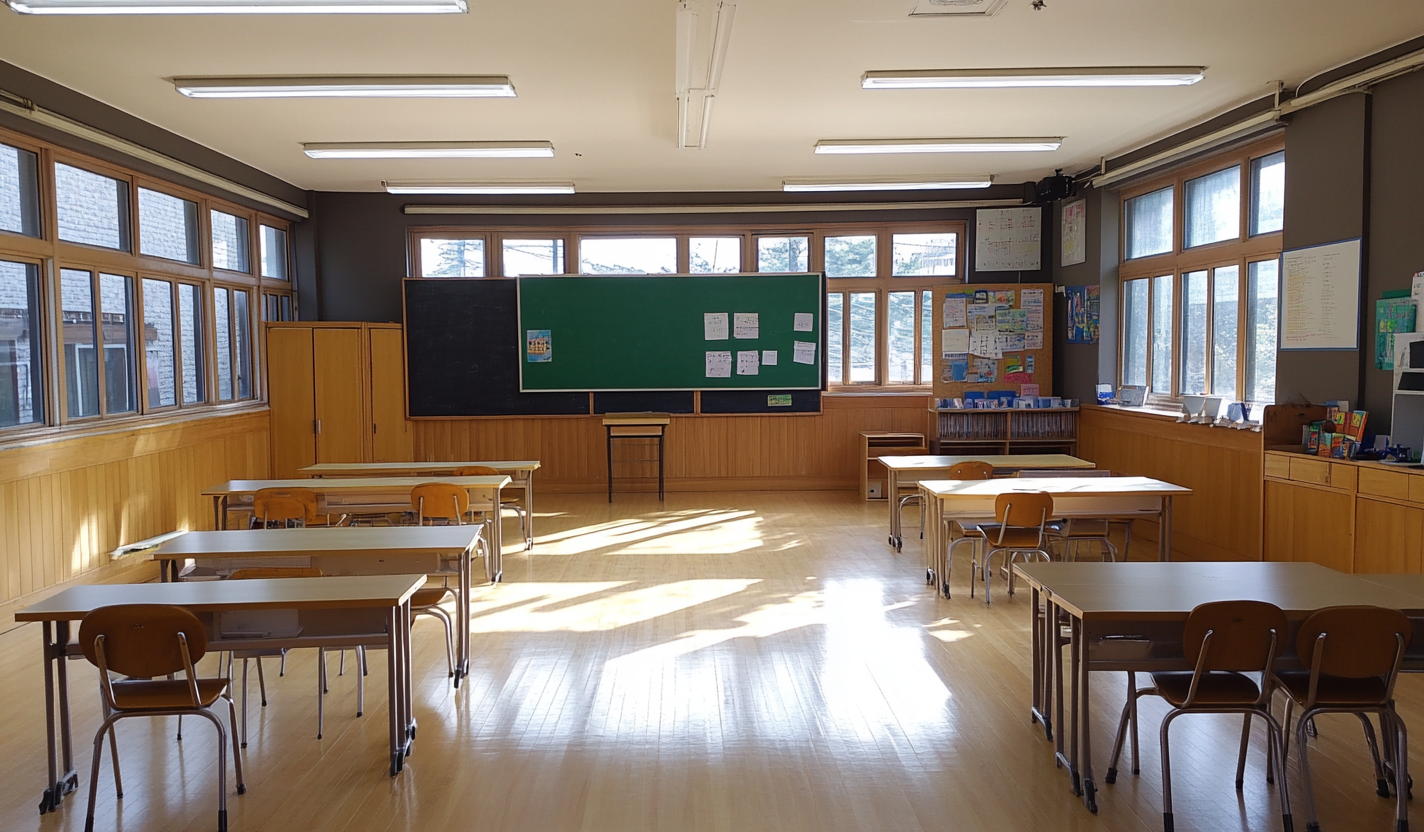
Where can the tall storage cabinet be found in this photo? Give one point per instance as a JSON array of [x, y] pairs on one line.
[[337, 393]]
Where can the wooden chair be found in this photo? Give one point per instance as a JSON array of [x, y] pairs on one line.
[[1352, 657], [288, 508], [1021, 530], [450, 503], [1078, 530], [954, 530], [143, 642], [506, 501], [1225, 640]]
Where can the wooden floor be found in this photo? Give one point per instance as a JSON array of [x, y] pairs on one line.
[[737, 662]]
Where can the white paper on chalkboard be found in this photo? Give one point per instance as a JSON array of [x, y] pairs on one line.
[[714, 326], [719, 364], [1320, 297], [1008, 239]]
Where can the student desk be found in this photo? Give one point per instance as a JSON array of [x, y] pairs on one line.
[[434, 550], [1098, 497], [337, 495], [520, 472], [910, 469], [1129, 617], [367, 611], [636, 426]]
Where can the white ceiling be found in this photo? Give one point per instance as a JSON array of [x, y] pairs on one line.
[[596, 79]]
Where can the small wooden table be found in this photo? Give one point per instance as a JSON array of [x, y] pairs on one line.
[[520, 472], [336, 495], [1096, 497], [369, 611], [636, 426], [399, 550], [908, 470]]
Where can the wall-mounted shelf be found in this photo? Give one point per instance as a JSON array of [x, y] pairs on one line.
[[1002, 431]]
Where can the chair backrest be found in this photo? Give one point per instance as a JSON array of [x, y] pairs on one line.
[[1353, 642], [284, 504], [1238, 636], [439, 500], [476, 471], [1050, 473], [143, 640], [250, 573], [1023, 509], [971, 471]]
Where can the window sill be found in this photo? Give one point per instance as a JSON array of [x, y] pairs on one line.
[[37, 436], [881, 390]]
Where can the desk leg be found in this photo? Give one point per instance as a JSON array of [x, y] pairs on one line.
[[392, 697], [1085, 760], [610, 462], [893, 489], [529, 511], [407, 693], [66, 736], [1075, 692], [1164, 531], [1036, 658], [1055, 669], [497, 540], [462, 645], [217, 513], [54, 786], [661, 434]]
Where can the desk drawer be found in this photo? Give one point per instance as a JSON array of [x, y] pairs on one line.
[[1278, 466], [1310, 470], [1377, 483]]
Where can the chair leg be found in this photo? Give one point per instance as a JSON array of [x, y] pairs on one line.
[[341, 664], [94, 771], [1401, 772], [361, 682], [1241, 755], [244, 701], [1381, 784], [1310, 823], [1276, 758], [236, 755], [261, 682], [114, 753], [1167, 773], [321, 690], [1132, 725], [1126, 723], [222, 769]]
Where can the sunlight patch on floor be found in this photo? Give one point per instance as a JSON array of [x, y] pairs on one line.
[[710, 532], [586, 607]]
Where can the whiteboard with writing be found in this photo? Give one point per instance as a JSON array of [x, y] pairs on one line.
[[1008, 239], [1320, 297]]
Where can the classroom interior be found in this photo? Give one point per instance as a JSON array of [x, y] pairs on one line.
[[729, 622]]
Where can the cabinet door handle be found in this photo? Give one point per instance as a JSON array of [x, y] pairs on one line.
[[316, 426]]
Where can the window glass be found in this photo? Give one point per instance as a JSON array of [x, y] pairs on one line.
[[1261, 331], [92, 209], [1213, 207], [532, 257], [222, 332], [851, 257], [229, 242], [923, 254], [1268, 193], [1162, 335], [21, 373], [81, 367], [900, 337], [835, 349], [927, 337], [1148, 224], [1134, 337], [158, 347], [286, 308], [714, 255], [1194, 311], [241, 343], [450, 258], [167, 226], [1226, 286], [628, 255], [783, 254], [190, 344], [273, 251], [862, 336], [117, 335], [19, 194]]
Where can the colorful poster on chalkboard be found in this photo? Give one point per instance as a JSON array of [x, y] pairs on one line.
[[1083, 314], [539, 346]]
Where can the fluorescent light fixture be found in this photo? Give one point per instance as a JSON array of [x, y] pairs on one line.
[[430, 150], [922, 183], [1073, 76], [424, 187], [347, 86], [704, 30], [238, 6], [861, 146]]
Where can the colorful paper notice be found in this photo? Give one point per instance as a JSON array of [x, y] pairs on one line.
[[953, 341], [714, 326], [1028, 390], [803, 352], [954, 312], [778, 400], [539, 346], [983, 371], [747, 364], [719, 364], [746, 325]]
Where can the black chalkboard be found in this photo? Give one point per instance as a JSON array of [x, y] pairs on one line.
[[462, 350], [755, 401], [663, 401]]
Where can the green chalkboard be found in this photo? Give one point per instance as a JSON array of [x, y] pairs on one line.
[[647, 333]]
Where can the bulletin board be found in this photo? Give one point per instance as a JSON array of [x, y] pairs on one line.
[[1003, 330]]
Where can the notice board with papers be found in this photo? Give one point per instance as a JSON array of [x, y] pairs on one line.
[[993, 337]]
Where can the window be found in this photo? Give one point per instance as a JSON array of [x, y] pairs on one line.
[[783, 254], [714, 255], [923, 254], [1202, 319], [277, 308], [850, 256], [159, 347], [167, 226], [273, 251], [229, 242], [116, 333], [835, 342], [900, 337], [222, 334], [628, 255], [233, 352], [190, 342], [534, 257], [449, 258], [98, 343], [862, 338], [81, 367], [19, 194], [927, 337], [92, 209], [21, 370]]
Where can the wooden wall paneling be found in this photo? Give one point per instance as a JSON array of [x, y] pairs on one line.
[[289, 390], [391, 434], [1388, 537]]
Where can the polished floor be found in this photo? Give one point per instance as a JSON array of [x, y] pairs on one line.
[[718, 662]]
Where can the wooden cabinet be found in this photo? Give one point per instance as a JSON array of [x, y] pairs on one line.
[[1309, 524], [1388, 537], [882, 443], [337, 393]]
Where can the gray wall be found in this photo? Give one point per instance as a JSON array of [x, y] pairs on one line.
[[1079, 367]]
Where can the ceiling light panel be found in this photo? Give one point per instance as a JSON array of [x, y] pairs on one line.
[[347, 86], [922, 183], [1083, 76], [468, 188], [957, 145], [430, 150], [108, 7]]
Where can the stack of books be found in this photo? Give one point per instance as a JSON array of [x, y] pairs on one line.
[[1342, 431]]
